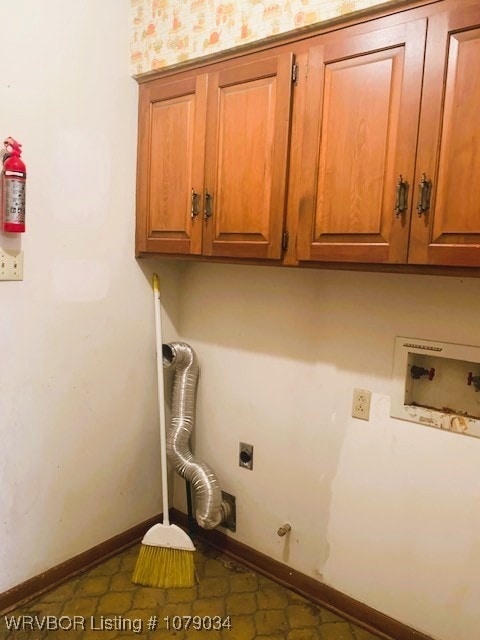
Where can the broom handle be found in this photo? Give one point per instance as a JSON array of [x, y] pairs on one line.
[[161, 398]]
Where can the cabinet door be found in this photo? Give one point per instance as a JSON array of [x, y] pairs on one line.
[[246, 158], [449, 143], [170, 165], [360, 134]]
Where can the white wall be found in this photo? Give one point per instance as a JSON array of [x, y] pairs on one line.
[[78, 431], [385, 511]]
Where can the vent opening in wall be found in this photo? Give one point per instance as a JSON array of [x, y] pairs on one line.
[[437, 384]]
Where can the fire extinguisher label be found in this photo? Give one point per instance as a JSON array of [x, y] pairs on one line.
[[14, 201], [19, 174]]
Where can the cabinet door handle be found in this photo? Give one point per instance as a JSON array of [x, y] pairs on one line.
[[208, 205], [401, 203], [424, 191], [194, 210]]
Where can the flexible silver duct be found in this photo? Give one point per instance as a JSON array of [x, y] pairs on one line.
[[210, 509]]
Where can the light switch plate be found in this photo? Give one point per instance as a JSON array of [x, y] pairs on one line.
[[11, 264]]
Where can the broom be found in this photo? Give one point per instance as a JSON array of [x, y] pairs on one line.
[[166, 554]]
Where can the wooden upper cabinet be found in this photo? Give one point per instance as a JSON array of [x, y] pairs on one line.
[[448, 233], [170, 165], [213, 181], [360, 132], [385, 147], [246, 158]]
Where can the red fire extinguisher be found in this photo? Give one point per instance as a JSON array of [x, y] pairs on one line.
[[14, 177]]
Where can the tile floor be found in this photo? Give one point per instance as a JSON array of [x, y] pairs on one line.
[[108, 606]]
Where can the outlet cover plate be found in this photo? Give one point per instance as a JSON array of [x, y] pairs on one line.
[[245, 455], [361, 404], [11, 264]]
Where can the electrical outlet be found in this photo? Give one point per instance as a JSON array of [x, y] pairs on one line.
[[245, 455], [11, 264], [361, 404]]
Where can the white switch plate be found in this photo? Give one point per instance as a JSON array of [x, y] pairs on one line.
[[361, 404], [11, 264]]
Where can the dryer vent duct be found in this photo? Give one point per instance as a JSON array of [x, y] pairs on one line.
[[210, 508]]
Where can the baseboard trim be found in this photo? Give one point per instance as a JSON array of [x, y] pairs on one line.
[[34, 587], [319, 593]]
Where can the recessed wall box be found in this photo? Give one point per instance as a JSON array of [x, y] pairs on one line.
[[437, 384]]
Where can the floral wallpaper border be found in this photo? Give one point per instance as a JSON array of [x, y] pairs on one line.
[[166, 32]]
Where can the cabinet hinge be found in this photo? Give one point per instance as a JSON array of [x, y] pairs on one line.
[[295, 74], [285, 238]]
